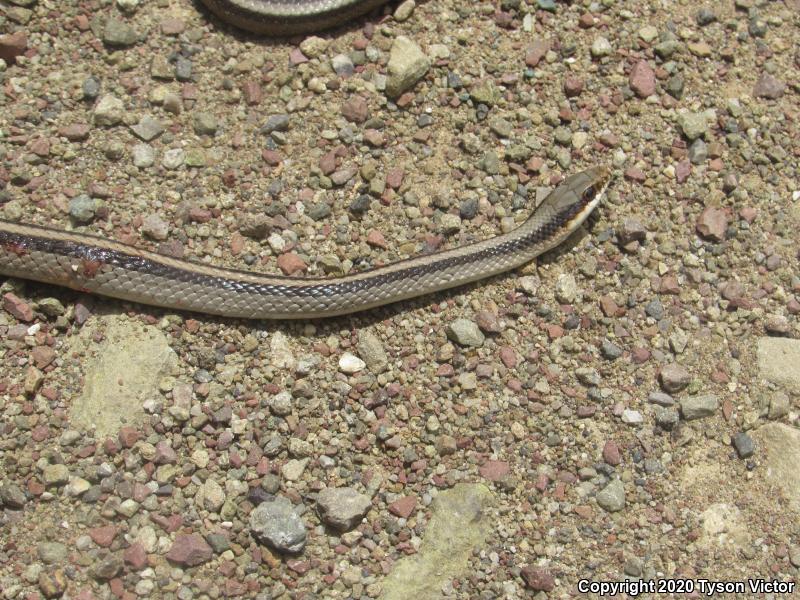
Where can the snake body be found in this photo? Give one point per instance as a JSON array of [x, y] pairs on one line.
[[96, 265], [288, 17]]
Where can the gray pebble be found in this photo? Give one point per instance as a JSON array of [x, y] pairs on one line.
[[675, 86], [119, 33], [666, 418], [51, 552], [361, 204], [173, 158], [490, 163], [148, 128], [12, 496], [183, 69], [705, 16], [370, 349], [744, 445], [342, 508], [612, 497], [205, 123], [660, 398], [342, 65], [219, 543], [693, 125], [144, 155], [698, 152], [465, 333], [276, 123], [319, 211], [610, 350], [698, 407], [91, 88], [468, 208], [655, 309], [82, 208], [276, 523]]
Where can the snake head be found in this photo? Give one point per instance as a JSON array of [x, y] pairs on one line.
[[571, 203]]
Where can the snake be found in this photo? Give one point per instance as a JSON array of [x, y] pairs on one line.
[[100, 266], [289, 17]]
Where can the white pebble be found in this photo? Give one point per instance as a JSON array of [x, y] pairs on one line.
[[350, 363]]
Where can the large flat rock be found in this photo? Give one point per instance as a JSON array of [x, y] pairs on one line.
[[460, 521], [781, 446], [779, 361], [120, 372]]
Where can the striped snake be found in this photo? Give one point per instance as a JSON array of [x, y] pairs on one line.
[[99, 266]]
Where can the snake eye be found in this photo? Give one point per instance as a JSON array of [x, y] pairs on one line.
[[588, 194]]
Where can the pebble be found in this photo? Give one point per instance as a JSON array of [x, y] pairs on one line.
[[342, 508], [712, 223], [612, 497], [404, 10], [768, 86], [13, 45], [642, 79], [106, 567], [82, 208], [450, 224], [351, 364], [189, 550], [632, 230], [779, 406], [538, 579], [314, 46], [212, 495], [205, 123], [277, 122], [108, 111], [148, 128], [12, 496], [693, 125], [276, 523], [632, 417], [465, 333], [601, 47], [744, 445], [355, 109], [666, 418], [661, 399], [144, 155], [51, 553], [154, 227], [674, 377], [55, 475], [698, 407], [119, 33], [705, 16], [566, 288], [91, 88], [654, 309], [342, 65], [371, 350], [173, 158], [53, 583], [407, 65], [610, 350], [293, 470]]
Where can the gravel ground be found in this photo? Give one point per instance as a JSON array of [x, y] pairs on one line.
[[626, 409]]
